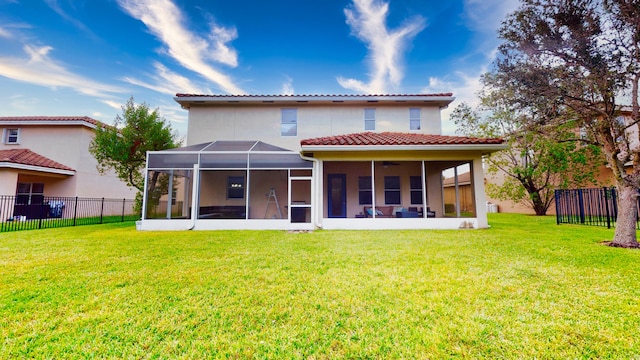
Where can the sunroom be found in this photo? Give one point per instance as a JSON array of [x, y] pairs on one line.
[[227, 185]]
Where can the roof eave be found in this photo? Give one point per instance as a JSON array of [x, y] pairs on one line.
[[47, 122], [188, 101], [10, 165], [488, 148]]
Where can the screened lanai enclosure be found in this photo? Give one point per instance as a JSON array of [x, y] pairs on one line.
[[254, 185], [228, 183]]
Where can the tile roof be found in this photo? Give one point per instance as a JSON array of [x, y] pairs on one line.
[[28, 157], [395, 138], [50, 120]]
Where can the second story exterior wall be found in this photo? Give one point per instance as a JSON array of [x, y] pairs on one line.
[[67, 144], [263, 120]]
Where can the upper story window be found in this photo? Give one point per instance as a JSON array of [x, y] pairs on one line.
[[414, 119], [289, 124], [369, 119], [11, 136]]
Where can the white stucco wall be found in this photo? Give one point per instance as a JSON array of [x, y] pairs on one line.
[[264, 122]]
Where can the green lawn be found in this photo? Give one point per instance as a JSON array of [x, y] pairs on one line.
[[526, 288]]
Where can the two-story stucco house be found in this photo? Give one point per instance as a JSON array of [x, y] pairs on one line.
[[312, 161], [48, 156]]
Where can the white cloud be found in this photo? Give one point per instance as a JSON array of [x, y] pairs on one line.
[[38, 68], [167, 82], [22, 103], [53, 4], [113, 104], [367, 20], [287, 87], [5, 33], [464, 87], [221, 52], [483, 17], [164, 20]]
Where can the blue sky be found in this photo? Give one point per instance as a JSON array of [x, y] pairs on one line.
[[87, 57]]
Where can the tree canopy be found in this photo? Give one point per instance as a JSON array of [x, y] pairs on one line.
[[579, 60], [123, 147], [537, 160]]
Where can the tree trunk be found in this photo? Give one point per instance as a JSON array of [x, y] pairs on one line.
[[538, 205], [625, 234]]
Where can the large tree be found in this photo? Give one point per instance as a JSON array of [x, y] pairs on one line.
[[581, 57], [537, 160], [123, 147]]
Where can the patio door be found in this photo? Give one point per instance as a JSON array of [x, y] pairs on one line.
[[300, 201], [337, 186]]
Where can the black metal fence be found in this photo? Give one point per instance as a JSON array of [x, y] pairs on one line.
[[52, 212], [597, 206]]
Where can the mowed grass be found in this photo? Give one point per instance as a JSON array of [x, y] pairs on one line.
[[526, 288]]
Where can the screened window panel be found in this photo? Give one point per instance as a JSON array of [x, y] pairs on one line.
[[223, 161], [278, 161], [172, 161]]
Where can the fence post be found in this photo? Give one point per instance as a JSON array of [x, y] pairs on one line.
[[614, 203], [606, 206], [123, 203], [75, 212], [101, 210], [556, 194], [581, 205]]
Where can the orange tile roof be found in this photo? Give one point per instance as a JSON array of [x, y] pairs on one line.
[[395, 138], [49, 119], [28, 157]]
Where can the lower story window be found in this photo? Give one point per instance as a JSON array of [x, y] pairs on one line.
[[392, 190], [364, 190], [30, 193], [235, 187], [416, 190]]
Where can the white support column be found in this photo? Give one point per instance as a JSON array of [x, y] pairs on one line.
[[477, 174], [457, 190], [195, 193], [373, 189], [170, 193], [424, 190]]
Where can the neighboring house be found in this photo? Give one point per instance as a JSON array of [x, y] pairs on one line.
[[458, 194], [48, 156], [312, 161]]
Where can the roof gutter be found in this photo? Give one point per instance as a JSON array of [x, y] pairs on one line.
[[442, 147], [11, 165]]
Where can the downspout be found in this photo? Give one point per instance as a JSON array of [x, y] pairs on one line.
[[316, 190]]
